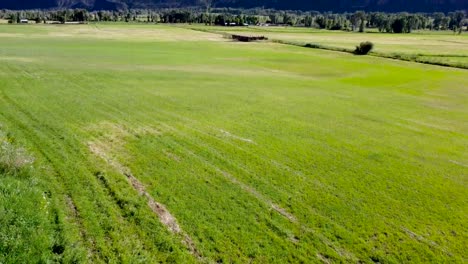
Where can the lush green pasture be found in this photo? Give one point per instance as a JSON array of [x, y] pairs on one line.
[[443, 46], [262, 152]]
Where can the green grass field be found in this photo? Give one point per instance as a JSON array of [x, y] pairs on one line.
[[163, 144], [431, 46]]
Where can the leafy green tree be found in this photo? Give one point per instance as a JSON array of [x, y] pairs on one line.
[[399, 25], [359, 19], [13, 18], [80, 15], [251, 20], [412, 22], [321, 22], [438, 20], [275, 18], [289, 19], [308, 20], [456, 19]]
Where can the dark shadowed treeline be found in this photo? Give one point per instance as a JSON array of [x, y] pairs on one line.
[[358, 21]]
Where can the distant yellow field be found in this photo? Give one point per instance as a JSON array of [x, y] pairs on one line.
[[132, 32], [3, 21]]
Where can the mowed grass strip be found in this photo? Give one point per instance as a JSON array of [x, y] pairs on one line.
[[366, 155]]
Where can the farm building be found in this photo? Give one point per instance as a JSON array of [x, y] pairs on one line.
[[24, 21]]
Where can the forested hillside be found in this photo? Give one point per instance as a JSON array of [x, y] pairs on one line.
[[319, 5]]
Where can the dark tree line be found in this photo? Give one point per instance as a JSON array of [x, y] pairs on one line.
[[357, 21]]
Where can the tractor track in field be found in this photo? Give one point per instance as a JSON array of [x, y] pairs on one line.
[[325, 240], [243, 186], [283, 212], [426, 241], [165, 217], [72, 212], [237, 146], [75, 216], [256, 194]]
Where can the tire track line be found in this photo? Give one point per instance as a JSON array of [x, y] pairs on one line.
[[340, 250], [165, 217]]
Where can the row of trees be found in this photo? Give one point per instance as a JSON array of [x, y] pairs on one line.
[[43, 16], [358, 21]]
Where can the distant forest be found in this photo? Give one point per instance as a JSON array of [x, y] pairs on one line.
[[356, 21]]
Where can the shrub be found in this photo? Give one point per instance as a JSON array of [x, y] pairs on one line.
[[364, 48]]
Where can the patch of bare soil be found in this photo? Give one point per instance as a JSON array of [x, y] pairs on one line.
[[164, 216]]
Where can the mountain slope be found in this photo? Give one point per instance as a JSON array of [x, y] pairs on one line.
[[320, 5]]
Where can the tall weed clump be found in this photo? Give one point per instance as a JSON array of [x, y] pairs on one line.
[[27, 223], [13, 160]]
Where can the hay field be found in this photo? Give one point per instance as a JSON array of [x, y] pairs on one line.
[[144, 144]]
